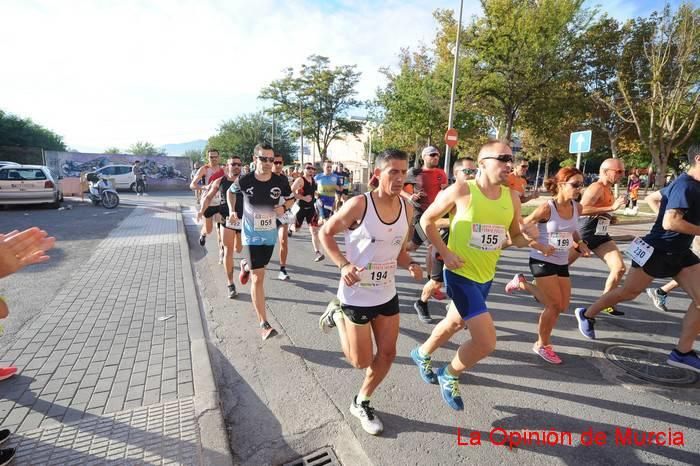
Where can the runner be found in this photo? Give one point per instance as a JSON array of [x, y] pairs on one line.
[[282, 222], [197, 192], [375, 226], [598, 202], [485, 213], [230, 232], [665, 252], [304, 189], [208, 173], [517, 180], [557, 221], [344, 184], [464, 169], [328, 185], [429, 181], [262, 192]]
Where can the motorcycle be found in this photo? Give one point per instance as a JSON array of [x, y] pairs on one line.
[[101, 191]]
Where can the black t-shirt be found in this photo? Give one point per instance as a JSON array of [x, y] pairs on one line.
[[684, 195], [259, 200]]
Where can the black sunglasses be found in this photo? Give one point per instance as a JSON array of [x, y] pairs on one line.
[[266, 159], [468, 171], [505, 158], [279, 163], [309, 168], [235, 164]]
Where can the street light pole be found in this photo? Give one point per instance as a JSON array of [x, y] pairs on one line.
[[450, 118], [273, 129], [301, 135]]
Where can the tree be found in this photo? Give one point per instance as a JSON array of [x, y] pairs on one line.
[[16, 131], [145, 149], [195, 156], [514, 55], [112, 150], [659, 82], [239, 137], [321, 96]]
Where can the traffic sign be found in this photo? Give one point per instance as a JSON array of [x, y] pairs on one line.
[[451, 137], [580, 142]]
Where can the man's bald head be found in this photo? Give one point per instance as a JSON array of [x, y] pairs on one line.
[[494, 148], [611, 164]]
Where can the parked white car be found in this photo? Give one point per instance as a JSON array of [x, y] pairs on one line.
[[29, 184], [121, 176]]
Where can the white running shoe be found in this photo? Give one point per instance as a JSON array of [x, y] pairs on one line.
[[365, 413]]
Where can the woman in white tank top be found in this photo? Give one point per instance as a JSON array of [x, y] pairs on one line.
[[557, 221]]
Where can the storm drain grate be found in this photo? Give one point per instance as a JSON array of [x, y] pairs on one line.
[[324, 456], [647, 364]]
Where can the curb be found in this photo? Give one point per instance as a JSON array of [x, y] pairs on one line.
[[215, 442]]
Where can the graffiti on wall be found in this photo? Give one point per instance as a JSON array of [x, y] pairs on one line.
[[172, 172]]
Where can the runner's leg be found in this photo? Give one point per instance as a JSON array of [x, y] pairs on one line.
[[635, 283], [556, 292], [689, 279], [386, 332], [443, 331], [610, 254], [481, 344]]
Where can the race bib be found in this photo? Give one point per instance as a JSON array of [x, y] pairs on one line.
[[378, 274], [602, 228], [487, 237], [295, 209], [287, 217], [639, 251], [561, 241], [235, 224], [264, 222]]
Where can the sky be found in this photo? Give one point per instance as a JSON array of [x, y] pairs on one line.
[[110, 73]]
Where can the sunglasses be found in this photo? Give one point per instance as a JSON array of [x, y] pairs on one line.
[[435, 154], [468, 171], [524, 166], [619, 172], [266, 159], [310, 168], [278, 163], [234, 164], [505, 158], [575, 184]]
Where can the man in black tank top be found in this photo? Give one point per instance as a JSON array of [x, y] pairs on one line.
[[304, 190], [230, 234], [282, 223]]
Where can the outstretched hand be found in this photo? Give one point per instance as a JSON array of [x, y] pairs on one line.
[[21, 248]]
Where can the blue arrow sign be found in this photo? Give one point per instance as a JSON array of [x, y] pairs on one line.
[[580, 142]]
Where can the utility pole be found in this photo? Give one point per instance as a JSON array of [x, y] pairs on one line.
[[301, 135], [273, 129], [450, 119]]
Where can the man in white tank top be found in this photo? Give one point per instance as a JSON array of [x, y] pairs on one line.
[[375, 226]]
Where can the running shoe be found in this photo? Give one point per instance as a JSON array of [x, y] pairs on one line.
[[4, 435], [365, 413], [657, 298], [422, 311], [687, 361], [202, 240], [283, 275], [547, 353], [232, 293], [611, 311], [221, 256], [585, 325], [425, 367], [326, 322], [449, 389], [319, 257], [439, 294], [514, 284], [7, 372], [266, 331], [245, 273], [6, 456]]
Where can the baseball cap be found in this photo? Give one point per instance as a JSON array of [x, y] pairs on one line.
[[430, 150]]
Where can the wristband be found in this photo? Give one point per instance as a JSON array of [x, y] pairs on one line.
[[413, 263], [341, 267]]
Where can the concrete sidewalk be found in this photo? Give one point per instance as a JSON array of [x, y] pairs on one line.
[[116, 368]]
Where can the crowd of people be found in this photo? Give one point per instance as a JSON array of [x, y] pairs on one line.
[[464, 224]]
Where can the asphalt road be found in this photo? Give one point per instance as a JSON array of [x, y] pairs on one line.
[[290, 395]]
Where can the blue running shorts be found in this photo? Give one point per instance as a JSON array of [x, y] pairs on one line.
[[469, 297]]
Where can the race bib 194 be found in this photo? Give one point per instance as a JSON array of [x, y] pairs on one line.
[[378, 274], [487, 237], [561, 241], [639, 251], [602, 227], [264, 222]]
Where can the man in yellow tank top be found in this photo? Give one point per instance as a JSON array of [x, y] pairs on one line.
[[485, 221]]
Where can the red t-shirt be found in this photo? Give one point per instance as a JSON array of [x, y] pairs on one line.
[[430, 181]]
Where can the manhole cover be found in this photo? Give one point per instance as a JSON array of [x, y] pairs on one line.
[[648, 365], [324, 456]]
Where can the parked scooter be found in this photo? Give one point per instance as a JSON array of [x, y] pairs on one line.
[[101, 191]]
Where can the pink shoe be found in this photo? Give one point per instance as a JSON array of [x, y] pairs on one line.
[[547, 353], [245, 273], [439, 295], [7, 372], [514, 284]]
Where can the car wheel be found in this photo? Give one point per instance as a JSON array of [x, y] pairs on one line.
[[132, 188]]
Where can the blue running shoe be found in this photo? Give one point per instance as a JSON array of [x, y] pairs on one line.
[[688, 361], [425, 367], [585, 325], [449, 389]]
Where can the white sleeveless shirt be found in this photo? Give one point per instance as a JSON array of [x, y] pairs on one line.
[[374, 245]]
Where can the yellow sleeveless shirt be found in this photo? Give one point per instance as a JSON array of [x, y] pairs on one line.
[[478, 234]]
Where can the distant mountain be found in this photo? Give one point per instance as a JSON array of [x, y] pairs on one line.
[[179, 149]]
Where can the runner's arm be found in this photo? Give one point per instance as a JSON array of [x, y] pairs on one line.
[[519, 238], [674, 221], [298, 189], [349, 214], [591, 196], [200, 173], [654, 201], [231, 201], [209, 195], [404, 259], [442, 205]]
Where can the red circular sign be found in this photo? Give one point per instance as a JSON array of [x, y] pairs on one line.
[[451, 137]]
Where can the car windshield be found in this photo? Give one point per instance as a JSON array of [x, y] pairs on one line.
[[22, 174]]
